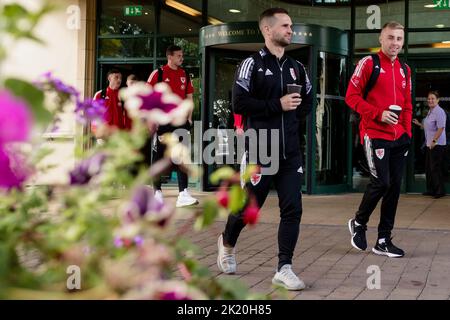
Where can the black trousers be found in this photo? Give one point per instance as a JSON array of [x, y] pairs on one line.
[[157, 154], [435, 167], [288, 185], [386, 160]]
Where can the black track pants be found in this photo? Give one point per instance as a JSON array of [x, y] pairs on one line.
[[288, 185], [386, 160]]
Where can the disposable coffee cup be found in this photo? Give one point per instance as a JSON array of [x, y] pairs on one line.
[[396, 109], [294, 88]]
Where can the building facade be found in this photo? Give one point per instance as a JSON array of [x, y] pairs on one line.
[[330, 36]]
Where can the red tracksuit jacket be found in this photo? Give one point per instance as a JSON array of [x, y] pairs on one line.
[[392, 87]]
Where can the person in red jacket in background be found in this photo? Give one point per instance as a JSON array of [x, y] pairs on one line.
[[386, 137], [116, 114]]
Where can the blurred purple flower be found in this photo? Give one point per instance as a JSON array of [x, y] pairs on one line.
[[87, 169], [144, 204], [118, 242], [89, 110], [15, 119], [138, 240], [143, 198], [51, 82], [156, 104], [155, 101]]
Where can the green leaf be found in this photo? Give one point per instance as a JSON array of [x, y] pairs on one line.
[[251, 168], [237, 199], [187, 248], [233, 289], [14, 11], [210, 211], [223, 173], [33, 96]]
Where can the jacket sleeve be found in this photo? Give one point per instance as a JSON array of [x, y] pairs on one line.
[[153, 78], [243, 101], [355, 91], [306, 106], [407, 116], [98, 95]]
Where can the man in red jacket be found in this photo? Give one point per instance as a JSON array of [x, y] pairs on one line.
[[115, 115], [180, 84], [385, 136]]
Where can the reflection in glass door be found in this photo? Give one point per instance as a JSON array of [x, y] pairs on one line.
[[330, 132], [219, 116], [426, 79]]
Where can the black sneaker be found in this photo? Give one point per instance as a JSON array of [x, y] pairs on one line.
[[387, 248], [358, 235]]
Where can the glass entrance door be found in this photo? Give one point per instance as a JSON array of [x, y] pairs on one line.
[[429, 75], [331, 134], [219, 116]]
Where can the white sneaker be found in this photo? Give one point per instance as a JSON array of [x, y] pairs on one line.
[[226, 258], [185, 199], [287, 278], [159, 196]]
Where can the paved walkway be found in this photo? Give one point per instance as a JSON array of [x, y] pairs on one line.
[[328, 264]]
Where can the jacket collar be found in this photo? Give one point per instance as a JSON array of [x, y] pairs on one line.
[[385, 57], [265, 51]]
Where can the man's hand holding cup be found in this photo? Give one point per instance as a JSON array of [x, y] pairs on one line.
[[391, 116], [292, 99]]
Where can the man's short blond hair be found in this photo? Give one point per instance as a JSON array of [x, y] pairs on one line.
[[393, 25]]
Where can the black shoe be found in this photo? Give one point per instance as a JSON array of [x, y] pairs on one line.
[[439, 196], [387, 248], [358, 235]]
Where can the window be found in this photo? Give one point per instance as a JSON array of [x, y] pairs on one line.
[[425, 14], [389, 10], [114, 19]]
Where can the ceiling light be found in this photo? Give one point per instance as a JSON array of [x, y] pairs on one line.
[[214, 20], [146, 13], [183, 8], [439, 26], [430, 5], [442, 45], [235, 11]]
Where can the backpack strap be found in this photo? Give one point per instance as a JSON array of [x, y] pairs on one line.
[[160, 74], [405, 70], [103, 94], [188, 80], [374, 75]]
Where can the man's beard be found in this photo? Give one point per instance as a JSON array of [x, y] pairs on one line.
[[282, 42]]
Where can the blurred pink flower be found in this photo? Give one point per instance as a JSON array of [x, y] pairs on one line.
[[15, 126], [173, 295], [15, 119], [251, 214], [12, 175]]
